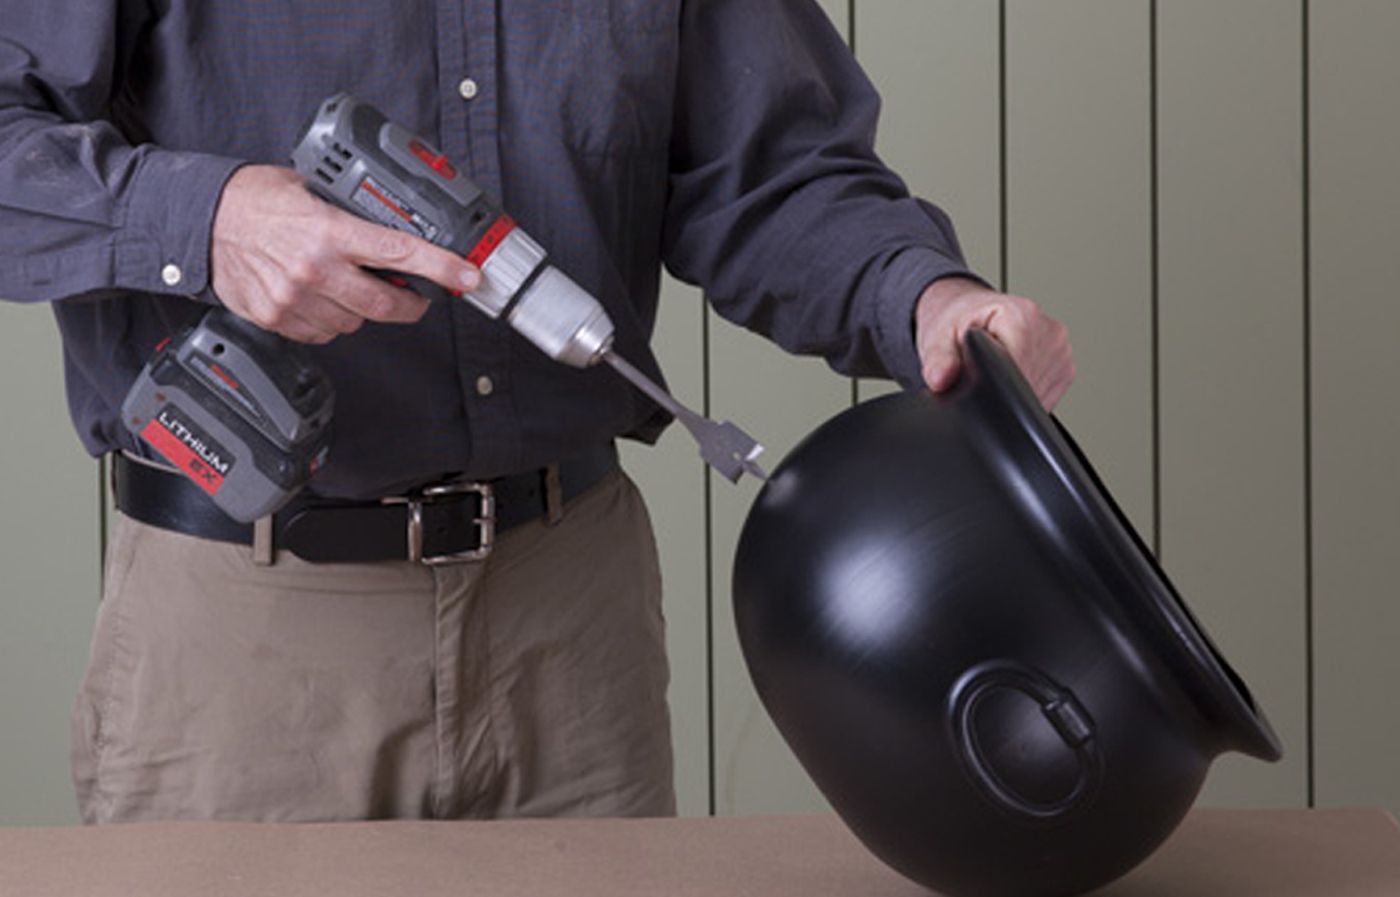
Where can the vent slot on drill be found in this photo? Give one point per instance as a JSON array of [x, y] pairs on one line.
[[328, 165]]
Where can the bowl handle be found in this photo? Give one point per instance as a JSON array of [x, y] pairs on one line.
[[1057, 706]]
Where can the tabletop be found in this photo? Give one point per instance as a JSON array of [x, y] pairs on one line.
[[1215, 853]]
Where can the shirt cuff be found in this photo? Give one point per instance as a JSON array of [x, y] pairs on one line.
[[164, 247], [904, 281]]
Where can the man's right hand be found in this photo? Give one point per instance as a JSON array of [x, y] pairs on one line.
[[294, 264]]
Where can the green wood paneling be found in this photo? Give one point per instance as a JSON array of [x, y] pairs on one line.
[[1355, 142], [49, 570], [1078, 216], [1230, 330], [778, 399], [672, 479], [936, 65]]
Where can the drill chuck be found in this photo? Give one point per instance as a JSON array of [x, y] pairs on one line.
[[542, 303]]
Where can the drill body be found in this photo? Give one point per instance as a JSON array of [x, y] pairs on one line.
[[355, 158]]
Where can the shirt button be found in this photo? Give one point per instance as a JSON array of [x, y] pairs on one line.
[[484, 386], [172, 275], [467, 88]]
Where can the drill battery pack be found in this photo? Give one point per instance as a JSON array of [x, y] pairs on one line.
[[241, 412]]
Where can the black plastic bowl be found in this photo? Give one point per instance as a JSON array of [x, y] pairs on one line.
[[970, 651]]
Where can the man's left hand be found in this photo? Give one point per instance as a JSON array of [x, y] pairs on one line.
[[1038, 343]]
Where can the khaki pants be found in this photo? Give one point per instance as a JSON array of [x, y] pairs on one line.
[[531, 684]]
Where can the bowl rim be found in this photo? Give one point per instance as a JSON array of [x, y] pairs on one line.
[[1040, 433]]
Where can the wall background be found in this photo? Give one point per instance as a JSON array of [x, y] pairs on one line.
[[1203, 190]]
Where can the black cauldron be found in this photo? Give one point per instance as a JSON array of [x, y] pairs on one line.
[[970, 651]]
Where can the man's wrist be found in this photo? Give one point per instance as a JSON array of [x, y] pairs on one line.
[[170, 217], [946, 289], [903, 284]]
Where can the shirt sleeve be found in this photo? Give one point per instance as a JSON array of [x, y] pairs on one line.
[[83, 207], [779, 206]]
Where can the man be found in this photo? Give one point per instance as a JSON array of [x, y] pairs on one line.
[[325, 676]]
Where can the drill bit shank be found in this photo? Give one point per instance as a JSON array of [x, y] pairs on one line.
[[723, 445]]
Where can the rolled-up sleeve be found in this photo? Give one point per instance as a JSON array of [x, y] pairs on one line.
[[83, 207], [779, 206]]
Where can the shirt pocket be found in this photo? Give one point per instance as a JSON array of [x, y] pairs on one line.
[[600, 78]]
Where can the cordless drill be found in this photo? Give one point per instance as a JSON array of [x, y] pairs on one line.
[[246, 414]]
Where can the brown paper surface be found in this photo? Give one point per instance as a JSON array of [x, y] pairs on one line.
[[1272, 853], [1278, 853]]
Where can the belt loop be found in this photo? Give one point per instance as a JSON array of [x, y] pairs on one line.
[[263, 550], [553, 496]]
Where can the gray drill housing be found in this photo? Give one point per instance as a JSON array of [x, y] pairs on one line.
[[354, 157]]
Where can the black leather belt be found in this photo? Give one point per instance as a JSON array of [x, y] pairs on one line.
[[449, 522]]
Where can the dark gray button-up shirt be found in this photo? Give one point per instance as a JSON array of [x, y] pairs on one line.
[[729, 139]]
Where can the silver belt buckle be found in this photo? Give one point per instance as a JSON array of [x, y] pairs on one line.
[[486, 522]]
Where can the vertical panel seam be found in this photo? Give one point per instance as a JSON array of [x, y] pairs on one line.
[[1309, 615], [102, 524], [851, 25], [851, 41], [706, 491], [1002, 160], [1155, 272]]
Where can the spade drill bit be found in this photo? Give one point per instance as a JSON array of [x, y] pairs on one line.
[[723, 445]]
